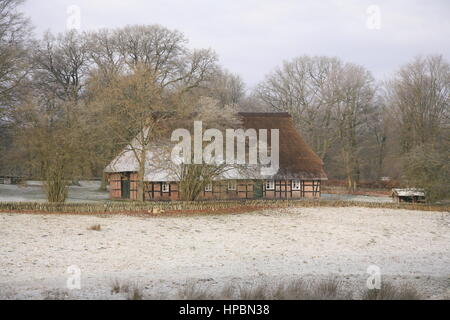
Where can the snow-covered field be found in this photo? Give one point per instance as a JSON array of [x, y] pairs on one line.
[[357, 198], [163, 254], [34, 192]]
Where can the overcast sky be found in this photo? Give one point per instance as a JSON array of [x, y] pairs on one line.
[[252, 37]]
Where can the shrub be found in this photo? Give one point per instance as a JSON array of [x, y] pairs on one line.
[[193, 291], [56, 295], [95, 227], [389, 292], [56, 190], [119, 287], [135, 292], [428, 167], [132, 290]]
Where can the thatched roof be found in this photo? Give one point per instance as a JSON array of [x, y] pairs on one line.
[[297, 159], [159, 167], [126, 161]]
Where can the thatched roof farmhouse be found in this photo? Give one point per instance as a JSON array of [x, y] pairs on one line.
[[299, 175]]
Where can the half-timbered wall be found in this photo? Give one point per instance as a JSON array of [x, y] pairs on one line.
[[154, 191], [115, 186], [133, 186], [116, 181], [283, 190], [245, 189]]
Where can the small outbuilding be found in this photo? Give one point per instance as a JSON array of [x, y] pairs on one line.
[[413, 195]]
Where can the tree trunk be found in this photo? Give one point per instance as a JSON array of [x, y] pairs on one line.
[[141, 173], [104, 183]]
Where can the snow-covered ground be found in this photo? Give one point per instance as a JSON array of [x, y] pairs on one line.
[[34, 192], [162, 254], [358, 198]]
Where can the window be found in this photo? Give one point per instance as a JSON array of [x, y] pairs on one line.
[[165, 187], [270, 185], [296, 185], [231, 185], [208, 187]]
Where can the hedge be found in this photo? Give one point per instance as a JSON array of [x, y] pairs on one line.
[[148, 207]]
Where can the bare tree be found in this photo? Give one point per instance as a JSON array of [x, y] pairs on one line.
[[51, 143], [330, 102], [14, 60], [354, 94], [175, 71], [155, 46], [135, 108], [61, 65], [104, 53], [227, 88], [420, 97], [304, 87], [195, 177], [15, 38], [377, 139], [129, 108], [165, 54]]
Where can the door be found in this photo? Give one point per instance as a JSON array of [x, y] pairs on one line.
[[258, 190], [125, 186]]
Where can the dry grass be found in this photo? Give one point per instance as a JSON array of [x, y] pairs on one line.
[[117, 287], [135, 293], [56, 295], [330, 289], [132, 290], [296, 290], [95, 227], [7, 293], [252, 292], [194, 291], [390, 292]]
